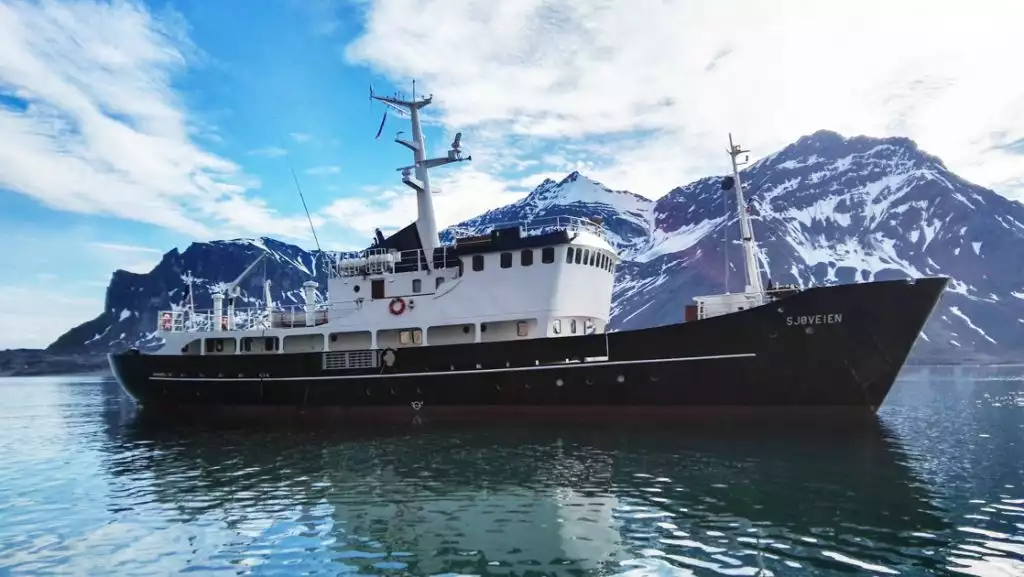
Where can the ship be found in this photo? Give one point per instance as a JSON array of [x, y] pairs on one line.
[[515, 319]]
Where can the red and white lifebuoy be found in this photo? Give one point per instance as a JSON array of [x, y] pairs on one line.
[[165, 321], [397, 306]]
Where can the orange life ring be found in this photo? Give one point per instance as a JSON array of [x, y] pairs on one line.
[[165, 321], [397, 306]]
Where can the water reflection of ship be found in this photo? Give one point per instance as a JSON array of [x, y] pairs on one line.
[[544, 495]]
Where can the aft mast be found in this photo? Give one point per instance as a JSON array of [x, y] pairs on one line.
[[426, 224], [746, 230]]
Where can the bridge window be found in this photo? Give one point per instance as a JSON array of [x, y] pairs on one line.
[[586, 257], [579, 256], [506, 260], [417, 285], [478, 262], [572, 326], [556, 325], [526, 257], [568, 255], [547, 255], [522, 328], [593, 259], [440, 281]]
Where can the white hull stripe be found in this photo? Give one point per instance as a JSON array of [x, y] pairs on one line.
[[465, 372]]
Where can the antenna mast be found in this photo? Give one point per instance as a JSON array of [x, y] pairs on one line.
[[746, 230], [416, 176]]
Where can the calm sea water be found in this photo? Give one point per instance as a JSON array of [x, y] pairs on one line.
[[934, 487]]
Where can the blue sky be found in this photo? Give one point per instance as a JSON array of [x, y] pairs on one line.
[[129, 128]]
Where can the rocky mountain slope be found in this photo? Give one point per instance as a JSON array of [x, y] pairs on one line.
[[826, 209]]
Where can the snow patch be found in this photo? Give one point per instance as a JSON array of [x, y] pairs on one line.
[[125, 313], [678, 240], [956, 310]]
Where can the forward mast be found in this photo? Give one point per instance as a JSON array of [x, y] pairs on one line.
[[751, 270], [416, 176]]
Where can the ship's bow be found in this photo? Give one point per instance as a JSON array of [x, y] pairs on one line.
[[856, 338]]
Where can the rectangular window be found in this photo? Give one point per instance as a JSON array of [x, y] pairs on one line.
[[579, 255], [439, 282], [404, 337], [417, 285], [522, 328], [417, 336], [506, 260], [556, 325], [586, 257], [526, 257], [572, 326], [377, 288], [568, 255], [478, 262], [593, 259], [547, 255]]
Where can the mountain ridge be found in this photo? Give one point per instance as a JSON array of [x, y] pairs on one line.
[[825, 209]]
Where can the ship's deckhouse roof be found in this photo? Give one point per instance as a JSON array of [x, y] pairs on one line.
[[500, 237]]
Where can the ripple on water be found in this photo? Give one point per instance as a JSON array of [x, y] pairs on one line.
[[97, 490]]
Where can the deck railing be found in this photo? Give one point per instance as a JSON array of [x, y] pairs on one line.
[[536, 226], [381, 260], [245, 319]]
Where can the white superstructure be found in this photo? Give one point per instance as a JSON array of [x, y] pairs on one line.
[[541, 278]]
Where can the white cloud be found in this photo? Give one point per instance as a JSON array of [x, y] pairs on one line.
[[663, 82], [465, 193], [41, 315], [132, 258], [323, 170], [103, 131], [300, 136], [269, 152], [124, 247]]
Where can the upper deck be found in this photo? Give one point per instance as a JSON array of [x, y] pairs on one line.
[[465, 241]]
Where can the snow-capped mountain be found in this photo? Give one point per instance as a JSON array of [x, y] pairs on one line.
[[628, 217], [826, 209]]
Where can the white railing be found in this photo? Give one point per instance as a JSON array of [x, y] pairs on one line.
[[537, 226], [388, 261], [245, 319], [385, 261], [720, 304]]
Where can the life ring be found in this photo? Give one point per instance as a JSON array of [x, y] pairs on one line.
[[165, 321], [397, 306]]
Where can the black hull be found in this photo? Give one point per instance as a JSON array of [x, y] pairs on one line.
[[840, 346]]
